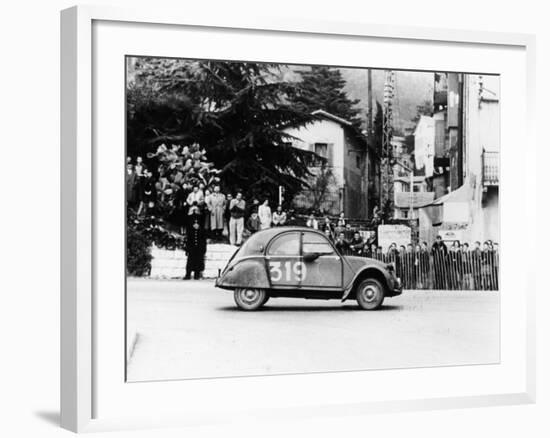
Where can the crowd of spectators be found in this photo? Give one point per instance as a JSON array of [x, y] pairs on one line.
[[201, 211], [222, 216], [455, 265]]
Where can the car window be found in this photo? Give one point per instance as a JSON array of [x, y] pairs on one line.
[[287, 244], [316, 243]]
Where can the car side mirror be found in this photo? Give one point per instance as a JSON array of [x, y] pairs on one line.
[[311, 256]]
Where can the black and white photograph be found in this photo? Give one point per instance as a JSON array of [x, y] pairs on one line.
[[294, 219], [290, 219]]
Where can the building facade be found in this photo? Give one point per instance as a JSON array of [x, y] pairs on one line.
[[471, 136], [482, 153], [346, 167], [424, 145], [406, 201]]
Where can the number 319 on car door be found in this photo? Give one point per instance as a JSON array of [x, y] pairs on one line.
[[284, 263], [287, 272]]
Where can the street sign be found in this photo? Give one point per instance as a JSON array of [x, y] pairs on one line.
[[388, 234]]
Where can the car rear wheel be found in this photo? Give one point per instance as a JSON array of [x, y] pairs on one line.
[[250, 299], [369, 294]]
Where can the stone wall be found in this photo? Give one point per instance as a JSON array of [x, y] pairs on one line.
[[171, 263]]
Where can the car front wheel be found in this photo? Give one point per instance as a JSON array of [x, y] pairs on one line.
[[250, 299], [370, 294]]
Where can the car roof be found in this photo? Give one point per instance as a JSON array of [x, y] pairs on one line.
[[256, 243]]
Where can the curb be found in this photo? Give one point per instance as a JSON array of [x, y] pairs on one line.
[[133, 338]]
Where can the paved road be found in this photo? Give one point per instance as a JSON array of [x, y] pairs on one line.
[[190, 330]]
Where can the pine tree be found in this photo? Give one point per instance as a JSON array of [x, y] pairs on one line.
[[237, 112], [322, 88]]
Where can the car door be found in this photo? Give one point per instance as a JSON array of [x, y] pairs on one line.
[[322, 264], [283, 261]]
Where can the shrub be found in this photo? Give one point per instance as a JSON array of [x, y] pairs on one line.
[[141, 233], [138, 252]]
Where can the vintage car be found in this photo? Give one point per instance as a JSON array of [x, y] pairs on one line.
[[299, 262]]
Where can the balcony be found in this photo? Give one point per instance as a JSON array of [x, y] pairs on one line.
[[490, 168]]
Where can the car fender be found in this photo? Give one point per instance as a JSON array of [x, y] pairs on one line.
[[369, 270], [246, 273]]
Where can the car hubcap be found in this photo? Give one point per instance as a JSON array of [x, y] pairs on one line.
[[370, 293], [250, 296]]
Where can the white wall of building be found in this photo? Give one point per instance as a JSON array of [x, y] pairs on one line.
[[323, 131], [424, 139], [482, 120], [482, 132]]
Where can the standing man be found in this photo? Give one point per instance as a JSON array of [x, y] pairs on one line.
[[312, 222], [327, 225], [195, 248], [341, 224], [348, 231], [476, 256], [342, 244], [439, 245], [130, 184], [227, 213], [195, 196], [148, 193], [357, 244], [216, 205], [180, 206], [236, 222], [439, 254], [279, 217]]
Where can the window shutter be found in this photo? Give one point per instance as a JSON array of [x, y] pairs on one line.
[[330, 154]]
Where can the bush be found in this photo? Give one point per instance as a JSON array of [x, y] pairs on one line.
[[138, 253], [141, 233]]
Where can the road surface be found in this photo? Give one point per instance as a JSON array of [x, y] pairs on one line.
[[190, 329]]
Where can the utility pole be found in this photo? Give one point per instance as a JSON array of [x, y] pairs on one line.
[[370, 141], [281, 193], [369, 105], [386, 167]]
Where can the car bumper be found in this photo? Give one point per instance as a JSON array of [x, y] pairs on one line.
[[397, 288]]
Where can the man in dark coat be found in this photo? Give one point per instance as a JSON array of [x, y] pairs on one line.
[[439, 245], [357, 244], [476, 256], [342, 244], [130, 185], [195, 247], [148, 195]]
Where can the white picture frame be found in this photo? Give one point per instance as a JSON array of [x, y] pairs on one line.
[[79, 277]]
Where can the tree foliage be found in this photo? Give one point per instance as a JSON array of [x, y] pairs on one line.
[[322, 88], [426, 108], [236, 111]]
